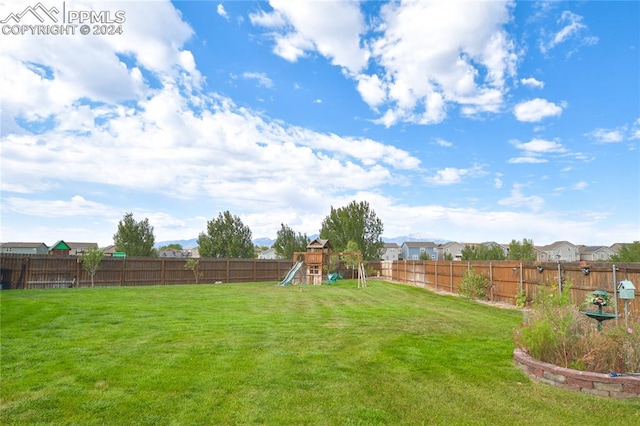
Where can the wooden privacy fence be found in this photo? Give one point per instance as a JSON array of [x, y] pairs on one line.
[[24, 272], [507, 278], [28, 271]]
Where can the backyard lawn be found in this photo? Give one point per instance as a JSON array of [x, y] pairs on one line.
[[263, 354]]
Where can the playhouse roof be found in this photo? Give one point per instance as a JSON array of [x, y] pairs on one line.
[[319, 243]]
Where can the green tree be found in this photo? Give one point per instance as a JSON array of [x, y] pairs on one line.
[[355, 222], [135, 238], [482, 252], [288, 242], [194, 266], [174, 246], [628, 253], [448, 256], [425, 256], [524, 250], [226, 237], [351, 260], [91, 260]]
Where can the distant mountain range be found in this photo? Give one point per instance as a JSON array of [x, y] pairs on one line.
[[268, 242]]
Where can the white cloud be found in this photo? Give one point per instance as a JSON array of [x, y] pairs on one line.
[[430, 58], [76, 206], [222, 12], [260, 77], [580, 186], [452, 175], [331, 28], [540, 146], [572, 28], [50, 73], [443, 143], [371, 89], [497, 181], [532, 82], [621, 133], [536, 109], [607, 136], [535, 150], [317, 101], [527, 160], [518, 199]]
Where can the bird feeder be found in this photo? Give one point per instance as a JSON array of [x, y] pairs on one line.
[[626, 290]]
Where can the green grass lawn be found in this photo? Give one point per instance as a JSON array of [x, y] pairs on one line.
[[262, 354]]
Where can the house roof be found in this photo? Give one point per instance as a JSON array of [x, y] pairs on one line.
[[557, 244], [449, 244], [171, 252], [319, 243], [429, 244], [76, 245], [391, 245], [22, 245]]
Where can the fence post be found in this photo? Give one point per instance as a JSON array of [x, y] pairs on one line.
[[451, 276], [521, 276], [255, 272], [77, 283], [227, 272], [435, 274], [122, 271], [491, 274], [615, 295]]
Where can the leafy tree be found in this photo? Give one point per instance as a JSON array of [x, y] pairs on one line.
[[355, 222], [482, 252], [135, 238], [91, 260], [524, 250], [628, 253], [227, 237], [194, 266], [174, 246], [288, 242], [468, 253], [448, 256], [425, 256], [351, 260]]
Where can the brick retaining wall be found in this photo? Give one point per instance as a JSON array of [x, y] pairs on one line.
[[581, 381]]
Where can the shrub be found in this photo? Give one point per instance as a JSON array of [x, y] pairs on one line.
[[555, 331], [521, 298], [474, 286]]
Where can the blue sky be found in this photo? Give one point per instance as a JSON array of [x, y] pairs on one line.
[[466, 120]]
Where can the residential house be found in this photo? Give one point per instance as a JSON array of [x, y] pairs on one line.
[[194, 252], [24, 248], [390, 252], [491, 244], [595, 253], [173, 253], [560, 251], [78, 248], [414, 250], [451, 248], [109, 250], [617, 246], [269, 253]]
